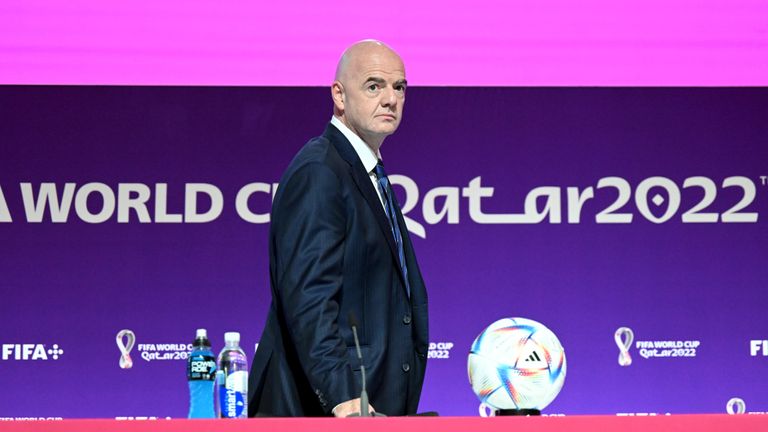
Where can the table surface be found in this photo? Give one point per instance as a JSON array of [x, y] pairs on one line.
[[694, 422]]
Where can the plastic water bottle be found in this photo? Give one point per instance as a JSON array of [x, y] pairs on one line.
[[232, 383], [221, 381], [201, 371]]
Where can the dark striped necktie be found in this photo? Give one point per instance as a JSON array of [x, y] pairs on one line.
[[390, 206]]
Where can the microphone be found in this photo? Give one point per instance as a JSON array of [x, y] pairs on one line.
[[363, 394]]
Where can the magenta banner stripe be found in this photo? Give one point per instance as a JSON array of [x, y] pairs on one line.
[[482, 43]]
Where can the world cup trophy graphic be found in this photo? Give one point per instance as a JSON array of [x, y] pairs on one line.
[[735, 406], [125, 347], [624, 337]]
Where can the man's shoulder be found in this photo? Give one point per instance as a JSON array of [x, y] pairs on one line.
[[316, 170], [318, 159], [318, 150]]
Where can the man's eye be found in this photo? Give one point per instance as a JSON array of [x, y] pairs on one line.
[[373, 87]]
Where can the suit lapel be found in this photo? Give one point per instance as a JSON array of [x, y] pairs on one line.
[[363, 183]]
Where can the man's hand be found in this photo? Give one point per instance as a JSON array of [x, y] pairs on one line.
[[345, 409]]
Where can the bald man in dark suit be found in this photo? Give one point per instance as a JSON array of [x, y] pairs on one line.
[[339, 248]]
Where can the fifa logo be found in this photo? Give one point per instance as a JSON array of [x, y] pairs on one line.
[[758, 347], [31, 352], [623, 338]]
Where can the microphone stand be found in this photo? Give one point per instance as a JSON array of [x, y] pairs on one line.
[[363, 393]]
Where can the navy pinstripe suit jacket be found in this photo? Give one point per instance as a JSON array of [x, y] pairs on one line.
[[331, 253]]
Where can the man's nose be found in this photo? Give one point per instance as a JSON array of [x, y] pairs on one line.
[[388, 97]]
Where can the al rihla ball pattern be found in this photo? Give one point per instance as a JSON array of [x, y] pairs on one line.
[[516, 363]]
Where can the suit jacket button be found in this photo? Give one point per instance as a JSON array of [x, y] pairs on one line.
[[406, 367], [407, 319]]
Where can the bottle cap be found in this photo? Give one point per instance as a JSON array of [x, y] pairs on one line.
[[201, 339], [232, 338]]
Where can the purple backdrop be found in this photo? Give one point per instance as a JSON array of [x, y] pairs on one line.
[[69, 286]]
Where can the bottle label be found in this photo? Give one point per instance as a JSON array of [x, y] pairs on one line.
[[233, 394], [201, 367]]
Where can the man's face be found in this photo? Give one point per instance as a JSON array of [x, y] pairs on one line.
[[374, 94]]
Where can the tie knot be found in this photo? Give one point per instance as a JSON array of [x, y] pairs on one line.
[[380, 173]]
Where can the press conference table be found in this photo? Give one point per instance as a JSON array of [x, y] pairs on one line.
[[687, 423]]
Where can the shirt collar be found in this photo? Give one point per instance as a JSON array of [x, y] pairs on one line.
[[365, 153]]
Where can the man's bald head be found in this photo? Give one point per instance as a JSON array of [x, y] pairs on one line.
[[369, 90], [360, 51]]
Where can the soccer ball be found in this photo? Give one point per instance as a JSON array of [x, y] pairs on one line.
[[516, 363]]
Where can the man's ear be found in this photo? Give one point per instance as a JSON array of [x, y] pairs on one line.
[[337, 93]]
